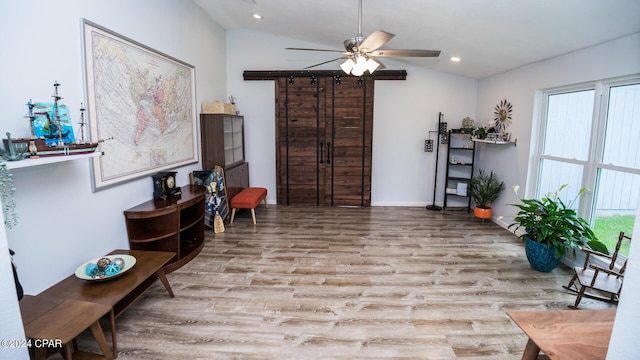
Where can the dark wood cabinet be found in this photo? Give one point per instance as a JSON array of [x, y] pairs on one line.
[[236, 178], [175, 224], [222, 140], [324, 140]]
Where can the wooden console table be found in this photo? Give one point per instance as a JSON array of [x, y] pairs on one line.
[[566, 334], [175, 224], [118, 294]]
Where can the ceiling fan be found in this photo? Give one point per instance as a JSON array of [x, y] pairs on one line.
[[361, 53]]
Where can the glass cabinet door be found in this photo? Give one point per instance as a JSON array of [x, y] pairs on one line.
[[233, 141], [228, 141], [238, 146]]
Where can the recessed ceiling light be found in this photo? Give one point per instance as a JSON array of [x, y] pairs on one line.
[[257, 16], [454, 59]]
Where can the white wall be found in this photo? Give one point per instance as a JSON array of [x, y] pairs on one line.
[[62, 223], [404, 113], [624, 339]]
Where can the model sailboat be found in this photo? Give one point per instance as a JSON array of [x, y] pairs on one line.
[[51, 131]]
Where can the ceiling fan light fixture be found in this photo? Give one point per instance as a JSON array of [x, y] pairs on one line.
[[372, 65], [347, 66], [357, 71], [360, 67]]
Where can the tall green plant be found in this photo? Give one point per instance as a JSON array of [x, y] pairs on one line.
[[485, 188], [550, 221]]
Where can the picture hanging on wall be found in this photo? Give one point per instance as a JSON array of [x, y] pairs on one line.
[[143, 101]]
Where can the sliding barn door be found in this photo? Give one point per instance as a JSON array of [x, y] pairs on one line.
[[300, 141], [350, 126], [324, 140]]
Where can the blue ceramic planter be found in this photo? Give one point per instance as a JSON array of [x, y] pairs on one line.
[[540, 257]]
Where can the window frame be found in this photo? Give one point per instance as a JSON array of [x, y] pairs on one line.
[[592, 165]]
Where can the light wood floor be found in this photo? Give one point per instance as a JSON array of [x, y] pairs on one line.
[[345, 283]]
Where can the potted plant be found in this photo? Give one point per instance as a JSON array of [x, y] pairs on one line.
[[551, 228], [479, 133], [7, 190], [484, 189]]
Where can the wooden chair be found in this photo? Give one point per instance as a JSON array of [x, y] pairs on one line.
[[601, 275]]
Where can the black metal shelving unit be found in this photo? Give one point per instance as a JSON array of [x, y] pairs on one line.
[[460, 162]]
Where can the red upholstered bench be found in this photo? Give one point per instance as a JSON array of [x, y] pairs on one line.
[[248, 198]]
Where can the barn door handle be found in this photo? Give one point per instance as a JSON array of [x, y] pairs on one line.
[[328, 152], [321, 152]]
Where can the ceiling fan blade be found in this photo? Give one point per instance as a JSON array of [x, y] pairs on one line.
[[326, 62], [359, 47], [306, 49], [375, 40], [405, 53]]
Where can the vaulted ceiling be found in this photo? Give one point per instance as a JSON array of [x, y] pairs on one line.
[[490, 36]]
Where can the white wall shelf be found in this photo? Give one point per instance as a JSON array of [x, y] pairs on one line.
[[514, 142], [43, 160]]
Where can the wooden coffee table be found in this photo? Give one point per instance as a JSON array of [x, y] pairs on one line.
[[566, 334], [118, 293], [41, 318]]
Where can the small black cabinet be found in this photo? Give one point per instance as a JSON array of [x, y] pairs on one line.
[[460, 161]]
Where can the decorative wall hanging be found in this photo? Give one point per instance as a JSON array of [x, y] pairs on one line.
[[442, 131], [144, 100], [428, 144], [502, 116]]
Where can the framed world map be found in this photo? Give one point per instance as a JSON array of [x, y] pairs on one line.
[[141, 103]]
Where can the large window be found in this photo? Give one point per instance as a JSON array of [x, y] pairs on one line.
[[591, 138]]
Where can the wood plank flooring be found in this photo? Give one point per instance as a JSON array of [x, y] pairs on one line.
[[345, 283]]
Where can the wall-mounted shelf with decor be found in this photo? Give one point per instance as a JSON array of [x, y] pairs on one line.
[[49, 160], [514, 142]]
